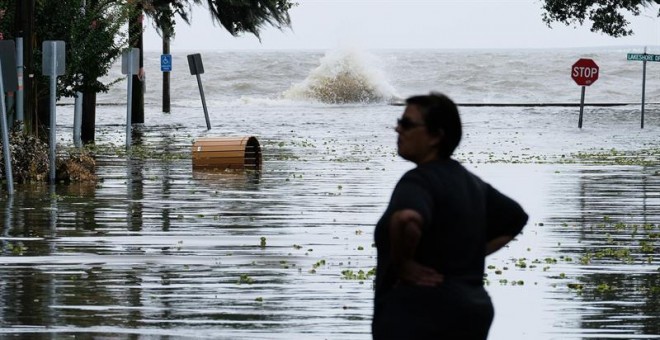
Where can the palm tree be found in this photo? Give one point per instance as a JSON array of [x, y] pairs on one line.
[[243, 16], [94, 41]]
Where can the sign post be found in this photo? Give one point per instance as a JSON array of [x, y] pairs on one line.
[[584, 72], [130, 65], [643, 57], [166, 68], [196, 68], [8, 83], [53, 66]]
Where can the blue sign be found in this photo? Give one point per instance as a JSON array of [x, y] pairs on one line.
[[166, 62]]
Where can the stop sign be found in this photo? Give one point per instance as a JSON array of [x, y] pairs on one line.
[[584, 72]]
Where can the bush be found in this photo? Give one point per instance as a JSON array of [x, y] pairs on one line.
[[29, 157], [29, 160]]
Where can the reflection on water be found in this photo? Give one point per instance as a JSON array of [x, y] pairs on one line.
[[613, 237], [157, 251]]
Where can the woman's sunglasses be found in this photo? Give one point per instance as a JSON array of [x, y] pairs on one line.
[[406, 123]]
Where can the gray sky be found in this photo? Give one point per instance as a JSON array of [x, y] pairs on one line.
[[372, 24]]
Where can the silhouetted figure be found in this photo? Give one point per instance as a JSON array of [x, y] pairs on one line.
[[432, 240]]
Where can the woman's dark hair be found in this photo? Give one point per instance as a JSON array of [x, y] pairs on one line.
[[440, 114]]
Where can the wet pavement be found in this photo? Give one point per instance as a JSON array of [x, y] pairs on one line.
[[155, 250]]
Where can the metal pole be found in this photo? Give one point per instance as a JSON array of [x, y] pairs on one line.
[[130, 98], [201, 93], [5, 137], [581, 107], [53, 117], [77, 120], [643, 88], [19, 73]]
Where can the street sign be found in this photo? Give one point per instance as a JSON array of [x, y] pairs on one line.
[[195, 64], [130, 61], [166, 62], [584, 72], [644, 57], [54, 58], [8, 59]]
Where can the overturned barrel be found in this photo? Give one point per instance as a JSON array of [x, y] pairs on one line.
[[222, 153]]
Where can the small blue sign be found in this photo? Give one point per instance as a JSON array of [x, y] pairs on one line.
[[166, 62]]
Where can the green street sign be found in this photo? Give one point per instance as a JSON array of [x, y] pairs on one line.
[[643, 57]]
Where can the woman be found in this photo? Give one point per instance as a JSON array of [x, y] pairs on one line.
[[433, 238]]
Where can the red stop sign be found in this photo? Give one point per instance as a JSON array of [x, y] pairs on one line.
[[584, 72]]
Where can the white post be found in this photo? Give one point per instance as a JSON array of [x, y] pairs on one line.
[[53, 115], [77, 120], [5, 137], [19, 72], [129, 78]]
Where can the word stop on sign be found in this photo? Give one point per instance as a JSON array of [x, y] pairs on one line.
[[585, 72]]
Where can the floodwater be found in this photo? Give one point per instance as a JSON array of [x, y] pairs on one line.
[[155, 250]]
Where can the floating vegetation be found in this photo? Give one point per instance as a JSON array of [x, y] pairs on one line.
[[17, 248], [644, 157], [245, 279], [576, 286], [360, 275], [319, 263]]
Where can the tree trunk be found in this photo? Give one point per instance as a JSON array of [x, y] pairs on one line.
[[135, 38], [166, 78], [42, 122], [88, 124]]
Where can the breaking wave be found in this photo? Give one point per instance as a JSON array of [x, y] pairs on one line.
[[344, 76]]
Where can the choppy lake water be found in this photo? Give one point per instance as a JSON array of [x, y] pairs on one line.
[[155, 250]]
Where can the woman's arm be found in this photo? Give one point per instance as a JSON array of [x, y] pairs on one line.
[[405, 233]]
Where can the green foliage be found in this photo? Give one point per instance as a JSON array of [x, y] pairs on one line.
[[606, 16], [236, 16], [6, 19], [93, 36], [162, 13], [239, 16], [30, 160]]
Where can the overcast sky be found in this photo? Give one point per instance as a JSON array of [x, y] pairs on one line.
[[373, 24]]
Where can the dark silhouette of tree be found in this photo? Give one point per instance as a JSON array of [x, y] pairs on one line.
[[607, 16]]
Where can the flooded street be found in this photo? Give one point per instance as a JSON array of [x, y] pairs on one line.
[[156, 251]]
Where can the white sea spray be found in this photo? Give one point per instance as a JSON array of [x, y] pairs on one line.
[[344, 76]]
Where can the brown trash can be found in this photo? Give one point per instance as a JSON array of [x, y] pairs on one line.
[[222, 153]]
